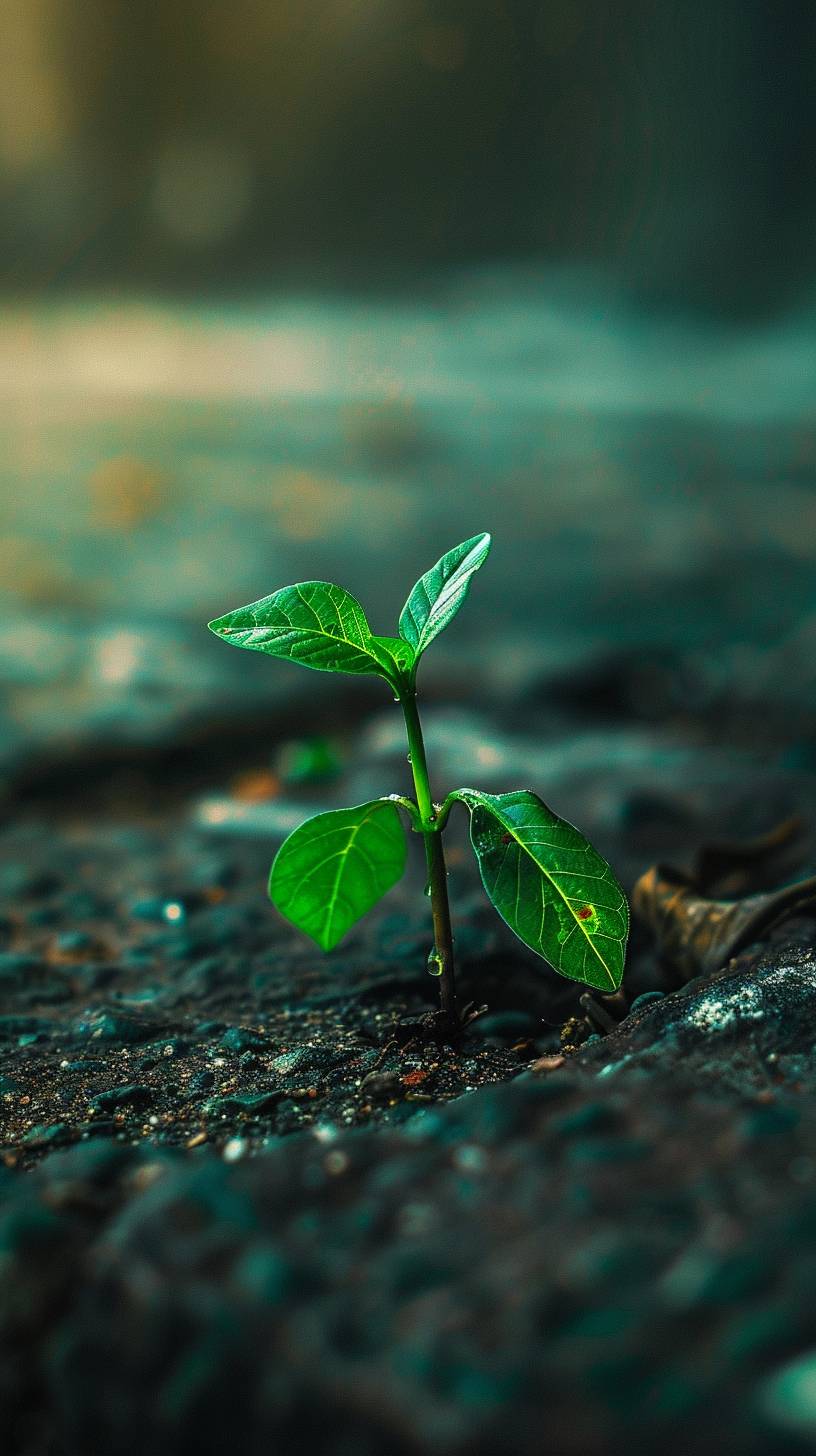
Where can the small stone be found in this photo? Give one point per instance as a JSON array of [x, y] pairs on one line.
[[299, 1059], [202, 1081], [243, 1104], [546, 1064], [646, 999], [234, 1150], [133, 1094], [381, 1084], [48, 1135], [242, 1039], [104, 1025]]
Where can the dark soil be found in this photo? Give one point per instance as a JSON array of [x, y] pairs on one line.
[[247, 1202], [185, 1013]]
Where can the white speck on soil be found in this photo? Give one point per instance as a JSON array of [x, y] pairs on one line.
[[714, 1013]]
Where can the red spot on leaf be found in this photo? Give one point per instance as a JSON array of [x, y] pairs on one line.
[[585, 912], [507, 839]]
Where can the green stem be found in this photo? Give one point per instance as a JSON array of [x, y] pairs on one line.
[[410, 808], [442, 952]]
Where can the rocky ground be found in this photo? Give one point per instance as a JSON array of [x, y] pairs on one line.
[[245, 1203]]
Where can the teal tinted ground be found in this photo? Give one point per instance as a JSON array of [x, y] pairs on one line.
[[158, 459]]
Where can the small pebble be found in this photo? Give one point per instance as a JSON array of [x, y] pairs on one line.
[[547, 1064], [234, 1150]]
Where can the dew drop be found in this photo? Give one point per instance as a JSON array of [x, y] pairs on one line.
[[428, 891], [436, 964]]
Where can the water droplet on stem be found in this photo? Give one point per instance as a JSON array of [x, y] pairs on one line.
[[436, 963]]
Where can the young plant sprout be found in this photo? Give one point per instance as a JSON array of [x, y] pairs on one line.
[[543, 877]]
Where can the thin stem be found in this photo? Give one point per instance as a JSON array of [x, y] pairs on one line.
[[442, 953]]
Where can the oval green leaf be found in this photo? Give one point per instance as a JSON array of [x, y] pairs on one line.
[[551, 887], [314, 623], [439, 594], [335, 867]]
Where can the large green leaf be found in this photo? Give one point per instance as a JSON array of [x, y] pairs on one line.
[[314, 623], [333, 868], [553, 889], [439, 594]]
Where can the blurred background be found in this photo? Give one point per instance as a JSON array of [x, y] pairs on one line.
[[318, 288]]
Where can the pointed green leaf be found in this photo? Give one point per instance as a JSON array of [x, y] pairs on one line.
[[333, 868], [439, 594], [552, 888], [314, 623]]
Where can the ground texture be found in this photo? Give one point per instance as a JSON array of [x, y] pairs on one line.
[[245, 1204]]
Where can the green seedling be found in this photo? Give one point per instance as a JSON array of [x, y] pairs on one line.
[[543, 877]]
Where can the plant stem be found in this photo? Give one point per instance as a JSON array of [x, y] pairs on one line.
[[434, 857]]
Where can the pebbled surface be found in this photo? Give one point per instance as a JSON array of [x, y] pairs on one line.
[[749, 1027], [545, 1260], [236, 1211]]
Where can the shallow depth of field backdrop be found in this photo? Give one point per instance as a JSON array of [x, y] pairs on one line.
[[317, 289], [297, 289]]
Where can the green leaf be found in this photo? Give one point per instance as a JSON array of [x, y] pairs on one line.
[[552, 888], [439, 594], [314, 623], [333, 868], [400, 653]]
